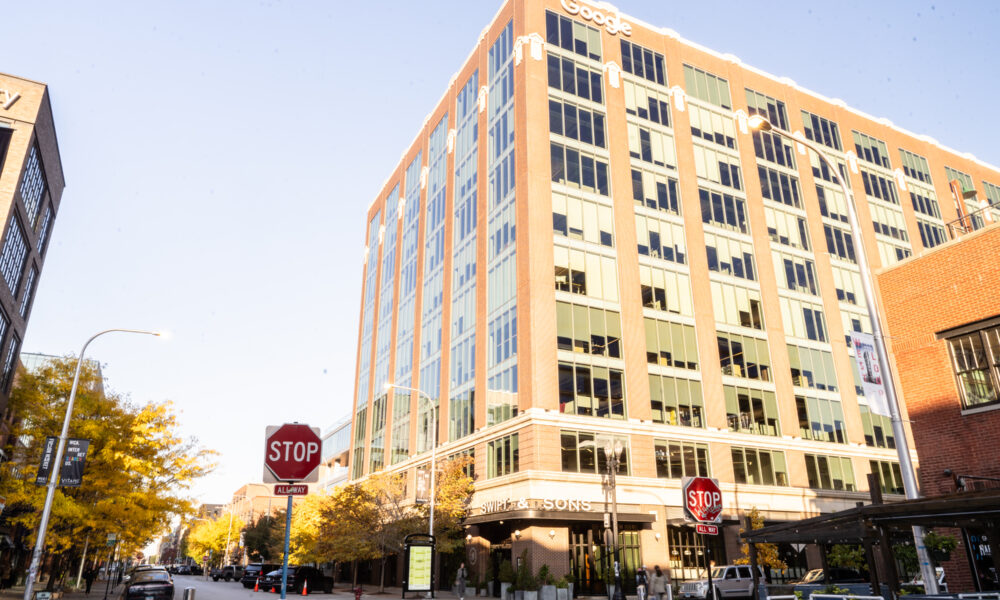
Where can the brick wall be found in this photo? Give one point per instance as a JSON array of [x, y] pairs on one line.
[[950, 286]]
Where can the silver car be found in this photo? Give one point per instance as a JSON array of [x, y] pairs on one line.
[[729, 581]]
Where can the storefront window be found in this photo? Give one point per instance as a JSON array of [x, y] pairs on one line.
[[592, 561], [687, 550]]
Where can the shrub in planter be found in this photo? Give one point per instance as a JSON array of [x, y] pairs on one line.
[[939, 546]]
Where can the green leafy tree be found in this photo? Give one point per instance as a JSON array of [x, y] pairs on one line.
[[767, 554], [137, 468], [264, 540], [848, 556]]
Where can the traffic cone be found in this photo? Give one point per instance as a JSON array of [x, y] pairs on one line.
[[305, 587], [256, 585]]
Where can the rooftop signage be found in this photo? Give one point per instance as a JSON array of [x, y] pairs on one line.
[[8, 98], [612, 23]]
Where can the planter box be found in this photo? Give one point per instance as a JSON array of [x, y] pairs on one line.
[[562, 594], [518, 594], [531, 595], [504, 590], [548, 592]]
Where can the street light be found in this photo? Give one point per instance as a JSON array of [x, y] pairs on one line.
[[54, 475], [389, 387], [760, 123], [613, 453]]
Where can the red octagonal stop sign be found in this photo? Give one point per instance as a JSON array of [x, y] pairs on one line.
[[702, 499], [291, 453]]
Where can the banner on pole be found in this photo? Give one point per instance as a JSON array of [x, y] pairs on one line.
[[870, 372], [423, 491], [74, 461], [45, 466]]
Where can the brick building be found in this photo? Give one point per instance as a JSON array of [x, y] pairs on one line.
[[31, 186], [942, 312], [585, 245]]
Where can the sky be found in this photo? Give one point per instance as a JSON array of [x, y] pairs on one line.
[[220, 158]]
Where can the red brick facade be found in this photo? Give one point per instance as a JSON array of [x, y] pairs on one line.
[[950, 286]]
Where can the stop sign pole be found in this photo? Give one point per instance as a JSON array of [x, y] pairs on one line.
[[291, 455], [702, 502]]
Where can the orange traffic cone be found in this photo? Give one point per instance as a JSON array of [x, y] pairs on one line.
[[274, 590], [256, 585], [305, 587]]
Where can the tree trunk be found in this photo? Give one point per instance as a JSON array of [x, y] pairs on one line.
[[355, 568], [54, 573], [381, 577]]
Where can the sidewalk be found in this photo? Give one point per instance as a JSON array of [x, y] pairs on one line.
[[96, 592]]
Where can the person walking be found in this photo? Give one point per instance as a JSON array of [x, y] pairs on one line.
[[89, 577], [641, 582], [460, 578], [657, 584]]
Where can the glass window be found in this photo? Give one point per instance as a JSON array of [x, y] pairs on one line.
[[830, 472], [756, 466], [821, 130], [579, 450], [737, 305], [591, 390], [871, 149], [14, 255], [751, 411], [743, 356], [572, 35], [677, 459], [643, 62], [33, 184], [707, 87], [976, 362], [666, 290], [502, 456]]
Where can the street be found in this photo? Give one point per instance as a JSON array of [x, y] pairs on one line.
[[216, 590]]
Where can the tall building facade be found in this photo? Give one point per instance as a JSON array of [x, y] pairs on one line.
[[586, 246], [31, 185]]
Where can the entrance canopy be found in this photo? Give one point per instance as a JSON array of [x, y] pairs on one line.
[[968, 510]]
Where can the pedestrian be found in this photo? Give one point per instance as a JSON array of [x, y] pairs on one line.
[[641, 581], [5, 574], [657, 584], [460, 577], [89, 577]]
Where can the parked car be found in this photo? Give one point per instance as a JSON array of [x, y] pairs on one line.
[[253, 571], [152, 584], [139, 569], [296, 577], [183, 570], [197, 570], [228, 572], [729, 581], [837, 575]]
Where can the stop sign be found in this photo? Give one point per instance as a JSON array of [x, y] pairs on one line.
[[702, 499], [291, 453]]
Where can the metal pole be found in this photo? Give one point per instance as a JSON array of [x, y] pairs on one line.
[[36, 555], [612, 467], [83, 560], [225, 557], [902, 445], [288, 536]]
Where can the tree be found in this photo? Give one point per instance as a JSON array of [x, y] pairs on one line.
[[394, 516], [209, 536], [137, 468], [849, 556], [767, 554], [452, 494], [347, 519], [307, 522], [264, 539]]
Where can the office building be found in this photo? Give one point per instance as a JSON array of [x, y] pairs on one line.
[[585, 245], [333, 470], [948, 361], [31, 185]]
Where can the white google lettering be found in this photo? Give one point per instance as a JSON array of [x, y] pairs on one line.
[[612, 23], [8, 98]]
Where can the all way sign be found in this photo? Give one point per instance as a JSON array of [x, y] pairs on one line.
[[291, 490]]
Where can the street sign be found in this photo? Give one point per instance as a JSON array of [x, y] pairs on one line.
[[45, 466], [706, 529], [291, 453], [291, 490], [71, 473], [702, 500], [112, 539]]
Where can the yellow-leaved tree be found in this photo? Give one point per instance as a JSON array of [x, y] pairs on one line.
[[137, 467], [209, 537]]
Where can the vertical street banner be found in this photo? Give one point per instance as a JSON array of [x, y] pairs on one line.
[[45, 466], [423, 491], [870, 371], [71, 473]]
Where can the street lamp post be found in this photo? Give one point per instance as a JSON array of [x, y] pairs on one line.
[[389, 387], [760, 123], [54, 475], [613, 454]]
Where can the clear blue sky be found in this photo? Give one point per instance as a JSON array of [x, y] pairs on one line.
[[220, 157]]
